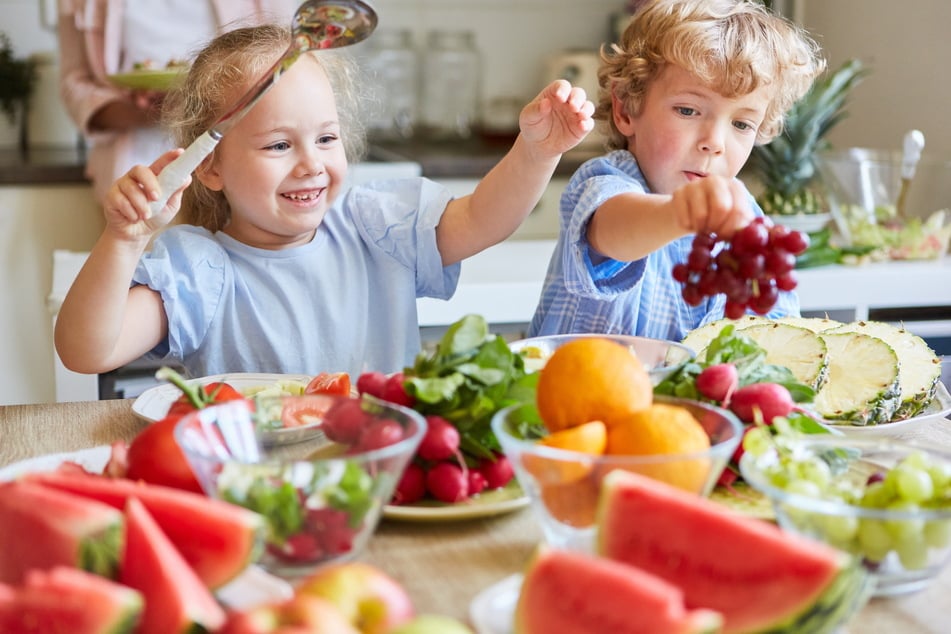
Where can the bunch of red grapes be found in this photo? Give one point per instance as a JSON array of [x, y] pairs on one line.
[[750, 269]]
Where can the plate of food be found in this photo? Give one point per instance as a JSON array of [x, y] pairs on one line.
[[146, 76], [937, 410], [486, 504], [93, 459], [153, 404]]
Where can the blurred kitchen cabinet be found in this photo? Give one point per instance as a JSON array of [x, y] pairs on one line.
[[36, 220]]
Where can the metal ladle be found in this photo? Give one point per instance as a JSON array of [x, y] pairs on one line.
[[911, 153], [317, 25]]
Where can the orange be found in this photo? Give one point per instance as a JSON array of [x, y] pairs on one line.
[[664, 429], [590, 379], [573, 503], [589, 439]]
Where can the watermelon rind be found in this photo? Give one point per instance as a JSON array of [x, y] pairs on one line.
[[571, 592], [759, 577], [43, 528], [64, 599], [219, 540], [176, 600]]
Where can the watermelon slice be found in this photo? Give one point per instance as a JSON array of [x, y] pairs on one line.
[[574, 593], [219, 540], [176, 600], [752, 572], [43, 528], [70, 600]]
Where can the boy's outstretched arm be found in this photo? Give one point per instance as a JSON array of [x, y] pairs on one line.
[[551, 124], [102, 323]]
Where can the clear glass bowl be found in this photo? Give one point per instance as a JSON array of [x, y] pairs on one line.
[[865, 186], [903, 547], [659, 357], [323, 496], [563, 486]]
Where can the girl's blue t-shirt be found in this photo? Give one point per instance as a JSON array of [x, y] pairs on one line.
[[585, 292], [345, 302]]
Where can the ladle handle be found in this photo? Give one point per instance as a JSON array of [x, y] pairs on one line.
[[176, 172]]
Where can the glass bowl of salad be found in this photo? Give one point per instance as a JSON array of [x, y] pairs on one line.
[[323, 496], [865, 186]]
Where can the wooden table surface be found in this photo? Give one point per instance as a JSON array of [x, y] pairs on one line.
[[442, 565]]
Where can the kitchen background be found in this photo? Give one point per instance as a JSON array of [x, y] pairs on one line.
[[905, 44]]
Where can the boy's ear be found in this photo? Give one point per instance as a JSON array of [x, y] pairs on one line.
[[622, 118], [207, 173]]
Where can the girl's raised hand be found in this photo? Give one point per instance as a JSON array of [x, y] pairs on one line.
[[558, 118], [126, 206]]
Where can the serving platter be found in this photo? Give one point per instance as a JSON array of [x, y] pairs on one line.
[[505, 500], [937, 410]]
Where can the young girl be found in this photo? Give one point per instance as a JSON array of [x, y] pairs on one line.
[[690, 88], [274, 269]]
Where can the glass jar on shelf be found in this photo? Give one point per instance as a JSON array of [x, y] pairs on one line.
[[393, 65], [451, 84]]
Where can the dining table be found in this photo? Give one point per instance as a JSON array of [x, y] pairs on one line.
[[443, 565]]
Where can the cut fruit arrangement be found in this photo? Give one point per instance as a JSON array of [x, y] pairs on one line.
[[112, 555], [864, 373], [671, 561]]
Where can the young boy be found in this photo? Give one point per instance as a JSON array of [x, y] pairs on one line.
[[685, 95]]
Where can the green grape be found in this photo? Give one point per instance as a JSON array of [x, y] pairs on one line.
[[876, 496], [913, 554], [807, 488], [840, 529], [874, 538], [817, 472], [940, 473], [905, 529], [937, 533], [913, 484], [757, 441]]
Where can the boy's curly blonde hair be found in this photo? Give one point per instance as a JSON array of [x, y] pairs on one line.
[[733, 46], [220, 75]]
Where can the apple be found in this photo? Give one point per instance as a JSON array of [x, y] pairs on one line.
[[297, 615], [432, 624], [369, 598]]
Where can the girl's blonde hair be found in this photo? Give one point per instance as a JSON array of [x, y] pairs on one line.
[[220, 75], [732, 46]]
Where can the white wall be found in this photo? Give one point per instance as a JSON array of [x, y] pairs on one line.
[[907, 45]]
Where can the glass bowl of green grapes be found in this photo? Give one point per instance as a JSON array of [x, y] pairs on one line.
[[888, 503]]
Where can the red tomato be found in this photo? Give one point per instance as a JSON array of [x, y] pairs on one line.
[[209, 394], [156, 458], [329, 383]]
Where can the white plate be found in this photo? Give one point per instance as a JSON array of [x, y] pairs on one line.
[[937, 410], [505, 500], [252, 587], [492, 611], [153, 404]]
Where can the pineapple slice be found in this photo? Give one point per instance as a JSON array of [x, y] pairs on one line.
[[919, 370], [815, 324], [799, 349], [699, 338], [863, 385]]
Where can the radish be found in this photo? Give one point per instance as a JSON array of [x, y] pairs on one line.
[[497, 472], [394, 392], [477, 482], [379, 434], [441, 441], [448, 482], [412, 486], [718, 382], [770, 399], [371, 383], [345, 422]]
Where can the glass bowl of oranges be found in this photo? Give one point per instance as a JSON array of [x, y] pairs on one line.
[[595, 412]]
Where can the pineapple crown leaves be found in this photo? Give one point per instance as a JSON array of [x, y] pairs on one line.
[[788, 162]]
